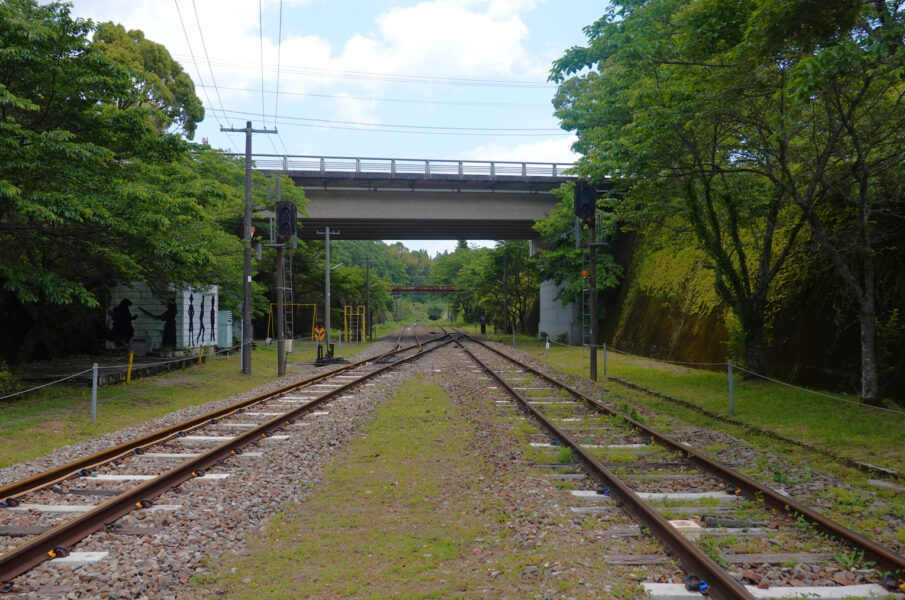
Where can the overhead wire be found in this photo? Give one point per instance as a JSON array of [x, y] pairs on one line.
[[401, 78], [413, 129], [401, 100], [538, 130], [207, 56], [261, 56], [198, 71], [276, 96]]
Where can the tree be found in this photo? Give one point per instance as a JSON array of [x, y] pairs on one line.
[[840, 153], [755, 121], [502, 283], [159, 80], [93, 192], [560, 261]]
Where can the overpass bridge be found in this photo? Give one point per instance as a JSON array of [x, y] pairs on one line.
[[407, 199]]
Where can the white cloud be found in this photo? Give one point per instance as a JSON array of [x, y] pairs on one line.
[[449, 38], [355, 110], [446, 38], [550, 150]]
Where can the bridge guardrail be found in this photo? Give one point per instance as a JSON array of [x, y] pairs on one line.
[[392, 166]]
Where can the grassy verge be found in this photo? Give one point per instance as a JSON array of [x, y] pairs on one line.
[[383, 525], [854, 431], [41, 421]]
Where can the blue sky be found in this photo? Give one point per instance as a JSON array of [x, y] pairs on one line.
[[395, 78]]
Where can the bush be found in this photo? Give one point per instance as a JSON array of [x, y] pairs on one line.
[[8, 382]]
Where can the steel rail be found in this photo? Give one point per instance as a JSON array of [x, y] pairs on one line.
[[62, 472], [32, 553], [885, 558], [693, 560]]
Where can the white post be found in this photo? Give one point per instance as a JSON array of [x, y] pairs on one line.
[[731, 391], [547, 347], [94, 393], [604, 359]]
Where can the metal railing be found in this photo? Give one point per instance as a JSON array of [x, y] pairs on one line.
[[393, 166]]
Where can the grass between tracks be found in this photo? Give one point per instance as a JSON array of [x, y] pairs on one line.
[[852, 431], [386, 523], [36, 423], [405, 512], [856, 432]]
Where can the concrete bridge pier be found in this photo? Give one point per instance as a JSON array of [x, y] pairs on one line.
[[561, 323]]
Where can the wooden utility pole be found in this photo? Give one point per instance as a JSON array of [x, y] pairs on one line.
[[246, 237]]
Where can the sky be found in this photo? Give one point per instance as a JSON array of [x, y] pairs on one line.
[[431, 79]]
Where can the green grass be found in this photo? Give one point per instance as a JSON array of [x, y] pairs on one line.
[[856, 432], [39, 422], [385, 524]]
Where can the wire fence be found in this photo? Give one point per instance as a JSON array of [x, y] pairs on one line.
[[112, 365], [606, 348]]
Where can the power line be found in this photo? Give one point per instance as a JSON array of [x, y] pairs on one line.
[[208, 57], [416, 127], [402, 100], [261, 56], [198, 71], [276, 95], [419, 79], [375, 128]]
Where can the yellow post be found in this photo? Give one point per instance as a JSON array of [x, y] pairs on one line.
[[200, 353], [129, 371]]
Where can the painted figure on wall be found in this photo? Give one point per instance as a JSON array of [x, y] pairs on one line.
[[122, 323], [169, 325], [191, 318], [213, 317], [201, 322]]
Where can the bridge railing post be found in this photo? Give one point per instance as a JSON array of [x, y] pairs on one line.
[[392, 166], [285, 163], [492, 168], [427, 167], [524, 169], [554, 170], [322, 164], [461, 170], [358, 165]]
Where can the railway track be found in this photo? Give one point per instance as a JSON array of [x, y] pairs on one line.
[[703, 512], [44, 517]]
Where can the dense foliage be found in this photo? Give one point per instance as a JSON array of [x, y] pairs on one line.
[[97, 186], [758, 127]]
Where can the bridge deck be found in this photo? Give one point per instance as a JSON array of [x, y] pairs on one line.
[[391, 198]]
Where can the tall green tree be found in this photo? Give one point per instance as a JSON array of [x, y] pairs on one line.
[[160, 81], [757, 121], [659, 109], [95, 190]]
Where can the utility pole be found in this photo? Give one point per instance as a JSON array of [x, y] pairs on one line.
[[368, 298], [592, 276], [327, 231], [246, 237], [281, 325]]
